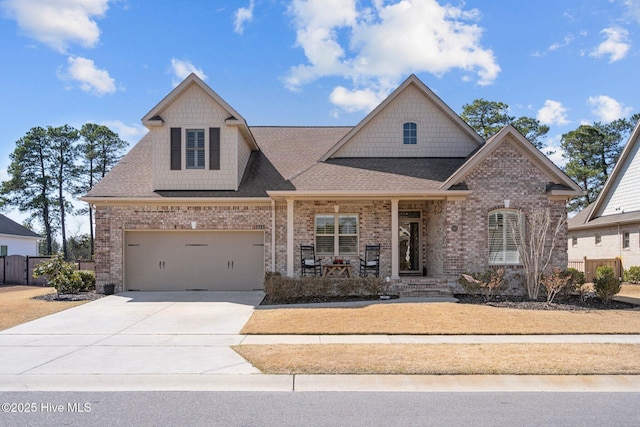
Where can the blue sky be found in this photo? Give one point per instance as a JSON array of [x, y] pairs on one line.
[[314, 62]]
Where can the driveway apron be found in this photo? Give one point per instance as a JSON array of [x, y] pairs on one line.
[[134, 333]]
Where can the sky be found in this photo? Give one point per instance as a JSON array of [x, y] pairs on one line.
[[314, 62]]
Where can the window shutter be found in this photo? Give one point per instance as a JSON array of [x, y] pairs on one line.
[[176, 148], [214, 148]]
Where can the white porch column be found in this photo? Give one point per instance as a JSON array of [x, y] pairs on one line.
[[290, 254], [395, 256]]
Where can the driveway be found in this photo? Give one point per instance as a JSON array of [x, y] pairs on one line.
[[134, 333]]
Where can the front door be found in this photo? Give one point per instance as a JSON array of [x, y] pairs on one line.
[[409, 241]]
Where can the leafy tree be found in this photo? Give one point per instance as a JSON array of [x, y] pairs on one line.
[[592, 151], [100, 149], [488, 117], [63, 170], [30, 186]]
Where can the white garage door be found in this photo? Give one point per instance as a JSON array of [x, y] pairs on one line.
[[203, 260]]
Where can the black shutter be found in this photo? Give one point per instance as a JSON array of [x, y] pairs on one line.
[[214, 148], [176, 148]]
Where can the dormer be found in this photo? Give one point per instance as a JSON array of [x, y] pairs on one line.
[[199, 141]]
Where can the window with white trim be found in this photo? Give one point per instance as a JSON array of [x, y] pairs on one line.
[[195, 148], [505, 229], [598, 238], [410, 133], [336, 234], [626, 241]]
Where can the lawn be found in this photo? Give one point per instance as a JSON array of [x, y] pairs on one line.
[[444, 319], [17, 305]]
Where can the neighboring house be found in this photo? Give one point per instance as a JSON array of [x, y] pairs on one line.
[[204, 201], [610, 227], [16, 239]]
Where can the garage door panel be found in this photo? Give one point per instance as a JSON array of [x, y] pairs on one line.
[[179, 260]]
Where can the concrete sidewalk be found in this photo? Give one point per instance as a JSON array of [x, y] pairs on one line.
[[181, 341]]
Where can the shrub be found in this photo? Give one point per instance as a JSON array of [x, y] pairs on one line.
[[488, 284], [61, 275], [557, 281], [632, 275], [88, 278], [281, 289], [606, 284]]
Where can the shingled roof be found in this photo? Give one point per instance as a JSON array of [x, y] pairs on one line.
[[10, 227]]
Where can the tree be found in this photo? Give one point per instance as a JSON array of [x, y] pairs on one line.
[[488, 117], [100, 150], [536, 246], [592, 152], [63, 170], [30, 186]]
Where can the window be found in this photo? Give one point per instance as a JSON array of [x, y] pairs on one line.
[[409, 133], [336, 234], [625, 240], [574, 241], [195, 148], [598, 239], [504, 232], [4, 250]]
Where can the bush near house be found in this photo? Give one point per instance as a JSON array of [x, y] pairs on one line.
[[283, 290], [488, 283], [632, 274], [61, 275], [557, 282], [606, 284], [88, 278]]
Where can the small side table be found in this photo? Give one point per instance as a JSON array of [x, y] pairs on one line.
[[336, 270]]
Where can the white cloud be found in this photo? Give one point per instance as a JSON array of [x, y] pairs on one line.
[[357, 99], [566, 42], [181, 70], [91, 79], [376, 46], [616, 44], [58, 23], [243, 14], [553, 112], [608, 109], [130, 133], [633, 9]]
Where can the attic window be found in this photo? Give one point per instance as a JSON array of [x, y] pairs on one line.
[[195, 148], [409, 133]]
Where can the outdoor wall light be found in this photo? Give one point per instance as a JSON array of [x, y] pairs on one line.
[[193, 225], [507, 202]]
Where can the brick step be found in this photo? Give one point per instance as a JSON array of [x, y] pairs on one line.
[[422, 290]]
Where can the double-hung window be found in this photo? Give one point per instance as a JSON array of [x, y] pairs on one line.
[[410, 133], [626, 240], [505, 228], [336, 234], [195, 148]]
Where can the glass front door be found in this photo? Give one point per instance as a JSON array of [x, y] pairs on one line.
[[409, 241]]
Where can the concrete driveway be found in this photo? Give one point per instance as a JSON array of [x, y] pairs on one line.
[[134, 333]]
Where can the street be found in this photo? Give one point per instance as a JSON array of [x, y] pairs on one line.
[[318, 409]]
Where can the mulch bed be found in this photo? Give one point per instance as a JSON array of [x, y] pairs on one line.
[[82, 296], [318, 299], [571, 303]]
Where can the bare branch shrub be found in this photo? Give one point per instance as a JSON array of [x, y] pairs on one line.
[[536, 246], [488, 283], [556, 282]]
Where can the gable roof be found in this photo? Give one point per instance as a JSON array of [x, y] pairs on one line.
[[154, 117], [10, 227], [430, 95], [613, 180], [563, 185]]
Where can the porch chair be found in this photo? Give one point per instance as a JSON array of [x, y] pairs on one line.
[[308, 260], [371, 261]]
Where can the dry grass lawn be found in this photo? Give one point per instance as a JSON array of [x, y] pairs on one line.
[[461, 359], [632, 291], [17, 305]]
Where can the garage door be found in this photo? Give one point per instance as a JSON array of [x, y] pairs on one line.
[[203, 260]]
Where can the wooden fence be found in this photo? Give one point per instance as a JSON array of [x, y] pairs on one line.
[[18, 269], [589, 266]]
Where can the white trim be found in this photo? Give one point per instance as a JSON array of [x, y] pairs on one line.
[[290, 225], [395, 243]]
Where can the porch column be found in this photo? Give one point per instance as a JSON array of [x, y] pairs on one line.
[[395, 256], [290, 261]]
